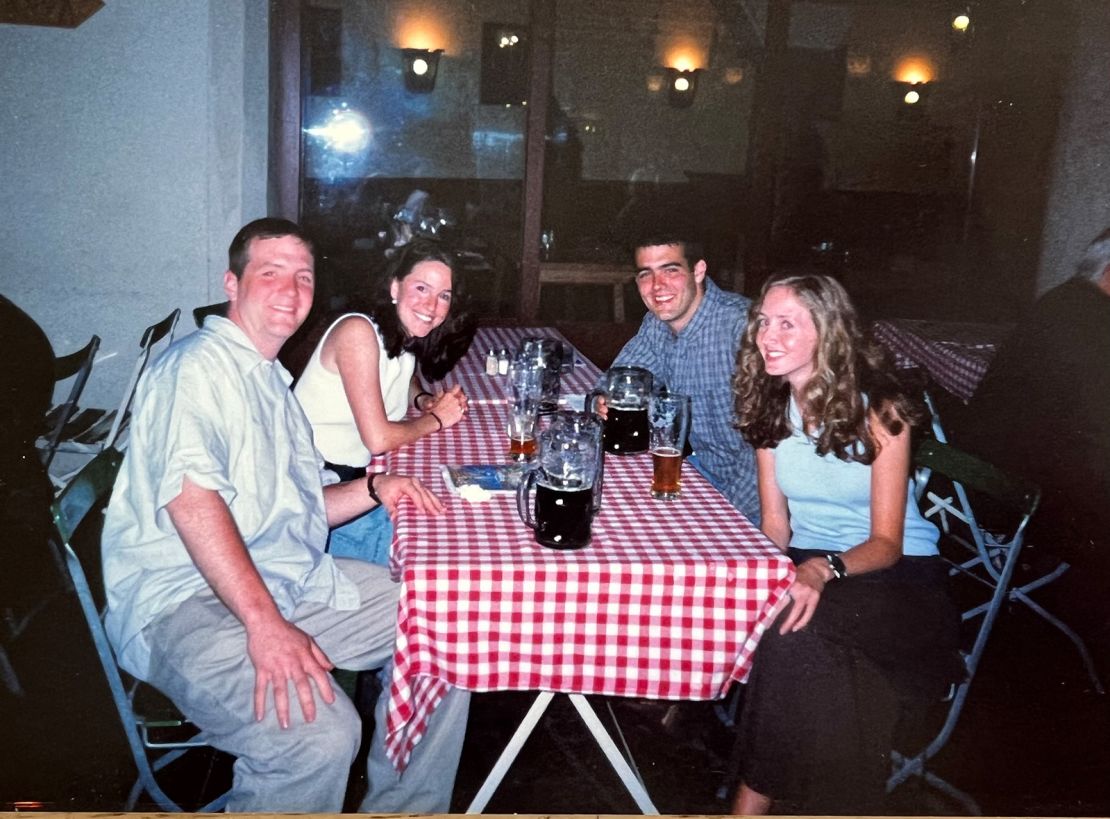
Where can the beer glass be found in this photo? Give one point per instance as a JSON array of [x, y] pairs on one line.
[[626, 391], [669, 419], [567, 492], [526, 381], [545, 354]]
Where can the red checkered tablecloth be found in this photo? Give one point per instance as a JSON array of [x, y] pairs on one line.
[[955, 354], [668, 601], [480, 388]]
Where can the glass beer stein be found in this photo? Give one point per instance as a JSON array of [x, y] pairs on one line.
[[545, 354], [627, 391], [559, 498]]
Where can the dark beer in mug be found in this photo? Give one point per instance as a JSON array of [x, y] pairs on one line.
[[563, 516], [626, 431], [666, 464]]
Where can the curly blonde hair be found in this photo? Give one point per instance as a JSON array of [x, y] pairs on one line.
[[852, 373]]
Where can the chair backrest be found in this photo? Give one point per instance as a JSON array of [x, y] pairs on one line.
[[153, 334], [77, 366], [89, 489], [202, 312]]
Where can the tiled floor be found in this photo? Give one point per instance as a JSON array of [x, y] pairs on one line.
[[1033, 739]]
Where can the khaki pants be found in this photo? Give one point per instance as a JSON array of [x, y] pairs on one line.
[[199, 660]]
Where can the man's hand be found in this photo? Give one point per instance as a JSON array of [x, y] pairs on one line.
[[392, 488], [809, 582], [601, 408], [280, 653]]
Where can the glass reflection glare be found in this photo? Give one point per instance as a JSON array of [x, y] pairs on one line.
[[345, 131]]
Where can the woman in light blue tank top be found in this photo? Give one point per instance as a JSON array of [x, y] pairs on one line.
[[870, 630]]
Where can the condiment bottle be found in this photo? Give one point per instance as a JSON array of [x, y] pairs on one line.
[[492, 362]]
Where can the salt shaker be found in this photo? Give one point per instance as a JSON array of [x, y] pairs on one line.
[[492, 362], [503, 362]]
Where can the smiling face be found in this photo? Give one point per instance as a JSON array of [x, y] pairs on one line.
[[671, 290], [273, 296], [787, 337], [423, 297]]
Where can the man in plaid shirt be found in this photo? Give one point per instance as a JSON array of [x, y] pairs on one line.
[[689, 341]]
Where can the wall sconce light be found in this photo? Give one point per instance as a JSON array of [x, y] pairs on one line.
[[912, 96], [682, 86], [421, 67]]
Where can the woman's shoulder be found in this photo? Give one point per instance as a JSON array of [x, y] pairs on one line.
[[355, 327]]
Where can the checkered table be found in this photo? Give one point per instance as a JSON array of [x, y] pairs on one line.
[[668, 600], [955, 354]]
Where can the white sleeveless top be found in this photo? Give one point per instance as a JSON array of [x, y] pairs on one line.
[[325, 403]]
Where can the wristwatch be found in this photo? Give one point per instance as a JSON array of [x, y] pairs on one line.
[[837, 565]]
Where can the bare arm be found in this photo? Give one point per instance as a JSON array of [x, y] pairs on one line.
[[350, 499], [883, 547], [774, 516], [352, 351], [279, 651]]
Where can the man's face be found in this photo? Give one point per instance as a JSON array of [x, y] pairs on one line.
[[273, 296], [669, 288]]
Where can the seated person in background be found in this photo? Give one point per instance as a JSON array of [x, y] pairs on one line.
[[26, 387], [361, 379], [689, 340], [1043, 410], [870, 629], [219, 590]]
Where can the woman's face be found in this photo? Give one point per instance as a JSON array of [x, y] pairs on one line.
[[786, 337], [423, 297]]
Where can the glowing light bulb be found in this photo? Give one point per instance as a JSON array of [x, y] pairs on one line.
[[681, 84], [911, 97], [960, 22], [420, 66]]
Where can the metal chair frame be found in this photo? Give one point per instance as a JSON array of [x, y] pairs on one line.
[[992, 559], [91, 486], [106, 431], [77, 365]]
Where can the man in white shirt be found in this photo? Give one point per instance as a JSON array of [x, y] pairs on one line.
[[219, 591]]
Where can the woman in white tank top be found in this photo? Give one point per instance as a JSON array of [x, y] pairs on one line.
[[361, 379]]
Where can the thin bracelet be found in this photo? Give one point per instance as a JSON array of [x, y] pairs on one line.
[[416, 400], [432, 413], [370, 487]]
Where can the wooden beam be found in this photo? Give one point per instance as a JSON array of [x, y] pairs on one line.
[[285, 109], [766, 136], [542, 39]]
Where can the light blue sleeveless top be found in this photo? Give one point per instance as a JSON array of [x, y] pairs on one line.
[[830, 500]]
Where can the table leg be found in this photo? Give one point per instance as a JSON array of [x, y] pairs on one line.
[[635, 788], [523, 731], [620, 764]]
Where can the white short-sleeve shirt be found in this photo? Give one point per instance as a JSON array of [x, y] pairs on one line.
[[212, 409]]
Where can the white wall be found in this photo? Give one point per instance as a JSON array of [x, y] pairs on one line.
[[131, 149]]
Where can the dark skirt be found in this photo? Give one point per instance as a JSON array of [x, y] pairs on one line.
[[823, 704]]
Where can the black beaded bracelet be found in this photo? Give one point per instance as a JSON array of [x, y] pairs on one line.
[[431, 413], [416, 399], [370, 487]]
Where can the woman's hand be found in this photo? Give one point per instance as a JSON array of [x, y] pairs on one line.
[[809, 582], [449, 407]]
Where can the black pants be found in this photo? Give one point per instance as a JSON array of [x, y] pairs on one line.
[[823, 704]]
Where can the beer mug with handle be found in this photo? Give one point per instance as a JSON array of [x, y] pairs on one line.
[[626, 391], [545, 354], [567, 489]]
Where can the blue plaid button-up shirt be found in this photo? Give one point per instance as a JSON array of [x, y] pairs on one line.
[[699, 362]]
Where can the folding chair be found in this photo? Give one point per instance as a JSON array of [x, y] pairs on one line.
[[93, 430], [143, 712], [986, 558], [202, 312], [77, 366]]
